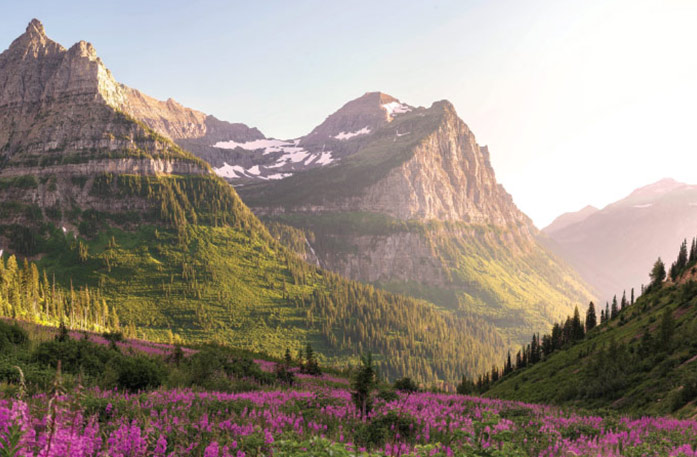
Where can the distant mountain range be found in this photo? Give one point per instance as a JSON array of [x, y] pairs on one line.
[[614, 248]]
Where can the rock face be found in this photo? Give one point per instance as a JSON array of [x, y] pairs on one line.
[[448, 178], [612, 247], [62, 125], [415, 207]]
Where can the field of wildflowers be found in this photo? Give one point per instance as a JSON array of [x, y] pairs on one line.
[[318, 418], [215, 402]]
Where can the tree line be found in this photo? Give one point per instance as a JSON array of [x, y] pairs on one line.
[[27, 294], [575, 328]]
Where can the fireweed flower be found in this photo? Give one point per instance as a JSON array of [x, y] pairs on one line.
[[183, 422]]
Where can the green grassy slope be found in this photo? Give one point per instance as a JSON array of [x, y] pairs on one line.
[[182, 253], [488, 276], [632, 363]]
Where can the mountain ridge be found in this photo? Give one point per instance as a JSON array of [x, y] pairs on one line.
[[417, 209], [105, 203], [609, 246]]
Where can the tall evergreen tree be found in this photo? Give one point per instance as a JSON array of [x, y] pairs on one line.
[[613, 310], [632, 299], [624, 302], [364, 382], [658, 273], [681, 262], [509, 365], [577, 332], [591, 319], [607, 311]]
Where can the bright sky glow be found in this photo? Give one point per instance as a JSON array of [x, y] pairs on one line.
[[579, 101]]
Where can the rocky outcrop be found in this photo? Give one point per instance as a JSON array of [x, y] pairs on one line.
[[356, 118], [62, 123], [448, 178]]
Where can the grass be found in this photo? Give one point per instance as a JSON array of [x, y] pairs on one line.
[[614, 368]]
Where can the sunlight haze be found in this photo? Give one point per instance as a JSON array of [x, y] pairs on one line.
[[579, 102]]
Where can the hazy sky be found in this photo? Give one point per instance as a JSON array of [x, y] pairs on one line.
[[579, 101]]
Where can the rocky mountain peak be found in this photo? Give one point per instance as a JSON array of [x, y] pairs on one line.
[[83, 49], [570, 218], [35, 27], [34, 42], [658, 188], [357, 118]]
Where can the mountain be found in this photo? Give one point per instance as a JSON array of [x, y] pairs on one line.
[[411, 204], [94, 189], [568, 219], [611, 247], [340, 135], [643, 361]]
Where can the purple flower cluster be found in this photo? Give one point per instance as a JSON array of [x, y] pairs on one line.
[[132, 345], [168, 423]]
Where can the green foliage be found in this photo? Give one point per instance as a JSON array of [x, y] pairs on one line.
[[27, 294], [10, 444], [19, 182], [137, 373], [406, 385], [363, 384], [641, 362], [658, 273], [12, 335]]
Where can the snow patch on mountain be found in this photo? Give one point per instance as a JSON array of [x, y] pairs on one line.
[[349, 135], [267, 144], [393, 108], [325, 158], [279, 175], [230, 171], [645, 205]]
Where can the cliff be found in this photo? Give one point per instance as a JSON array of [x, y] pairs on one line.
[[417, 209]]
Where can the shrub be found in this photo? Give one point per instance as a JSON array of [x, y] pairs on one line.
[[138, 373]]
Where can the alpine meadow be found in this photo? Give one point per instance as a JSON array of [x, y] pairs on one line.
[[359, 282]]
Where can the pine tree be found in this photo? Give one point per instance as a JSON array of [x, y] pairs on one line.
[[557, 337], [602, 316], [577, 333], [613, 310], [658, 273], [364, 382], [534, 350], [607, 311], [681, 262], [509, 365], [311, 366], [466, 387], [632, 299], [591, 319], [624, 302]]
